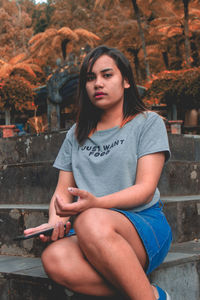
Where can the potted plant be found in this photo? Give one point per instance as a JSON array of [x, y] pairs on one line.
[[15, 95], [180, 91]]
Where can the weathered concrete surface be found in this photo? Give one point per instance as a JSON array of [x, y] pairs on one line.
[[183, 215], [27, 175], [36, 182], [45, 146], [179, 275], [12, 223], [31, 148], [180, 280], [27, 183], [180, 178], [24, 278], [185, 147]]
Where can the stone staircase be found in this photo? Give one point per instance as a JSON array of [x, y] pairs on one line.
[[27, 181]]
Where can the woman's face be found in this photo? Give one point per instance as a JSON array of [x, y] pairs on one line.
[[105, 85]]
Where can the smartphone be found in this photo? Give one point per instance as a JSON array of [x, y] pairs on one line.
[[47, 232]]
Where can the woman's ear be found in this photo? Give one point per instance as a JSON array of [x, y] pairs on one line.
[[126, 83]]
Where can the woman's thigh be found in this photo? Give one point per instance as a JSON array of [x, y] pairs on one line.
[[65, 263], [97, 224]]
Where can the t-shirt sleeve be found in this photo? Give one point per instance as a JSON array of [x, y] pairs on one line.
[[153, 137], [64, 158]]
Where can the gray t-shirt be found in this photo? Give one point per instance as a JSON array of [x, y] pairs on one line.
[[107, 162]]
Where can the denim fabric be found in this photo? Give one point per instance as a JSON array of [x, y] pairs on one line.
[[154, 231]]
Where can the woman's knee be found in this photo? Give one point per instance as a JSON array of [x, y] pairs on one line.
[[58, 263], [89, 221], [50, 258], [93, 226], [55, 255]]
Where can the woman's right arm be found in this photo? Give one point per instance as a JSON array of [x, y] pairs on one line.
[[65, 180]]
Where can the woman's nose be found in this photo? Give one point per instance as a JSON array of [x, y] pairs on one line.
[[98, 82]]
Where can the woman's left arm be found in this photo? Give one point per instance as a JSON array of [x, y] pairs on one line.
[[149, 170]]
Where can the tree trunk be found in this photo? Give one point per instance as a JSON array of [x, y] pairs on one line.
[[195, 54], [165, 59], [141, 32], [63, 47], [21, 22], [186, 32], [134, 52]]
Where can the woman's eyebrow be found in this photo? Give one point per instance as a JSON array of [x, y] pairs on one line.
[[106, 70], [102, 71]]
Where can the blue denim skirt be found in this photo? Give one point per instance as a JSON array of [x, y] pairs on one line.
[[154, 231]]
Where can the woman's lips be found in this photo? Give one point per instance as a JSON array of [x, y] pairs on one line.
[[99, 95]]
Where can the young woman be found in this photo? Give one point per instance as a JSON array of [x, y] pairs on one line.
[[110, 164]]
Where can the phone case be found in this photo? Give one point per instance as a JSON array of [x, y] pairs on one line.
[[47, 232]]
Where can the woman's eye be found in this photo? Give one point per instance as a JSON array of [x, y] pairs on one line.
[[90, 77], [107, 75]]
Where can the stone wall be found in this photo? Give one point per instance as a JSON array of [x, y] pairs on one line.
[[26, 171]]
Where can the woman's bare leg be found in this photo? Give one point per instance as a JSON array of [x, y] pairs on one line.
[[64, 262], [112, 245], [113, 249]]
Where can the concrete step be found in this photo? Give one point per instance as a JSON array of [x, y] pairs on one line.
[[35, 182], [180, 178], [182, 212], [183, 215], [24, 277], [31, 148], [45, 146], [184, 147], [179, 274], [27, 176], [31, 182], [14, 219]]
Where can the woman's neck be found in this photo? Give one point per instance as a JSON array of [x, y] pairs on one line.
[[109, 120]]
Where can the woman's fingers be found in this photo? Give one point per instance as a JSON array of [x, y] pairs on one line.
[[55, 233], [58, 232], [36, 229], [85, 201], [65, 209], [44, 238], [80, 193]]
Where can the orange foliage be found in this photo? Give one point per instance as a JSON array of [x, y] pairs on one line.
[[19, 63], [45, 44], [114, 23], [16, 94]]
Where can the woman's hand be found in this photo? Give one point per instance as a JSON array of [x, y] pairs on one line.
[[85, 200], [58, 232]]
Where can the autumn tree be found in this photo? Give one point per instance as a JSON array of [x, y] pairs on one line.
[[18, 77], [59, 42], [141, 32], [169, 30], [100, 3], [15, 29], [20, 64], [15, 95], [41, 16]]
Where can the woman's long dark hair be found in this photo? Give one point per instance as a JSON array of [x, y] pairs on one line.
[[88, 114]]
